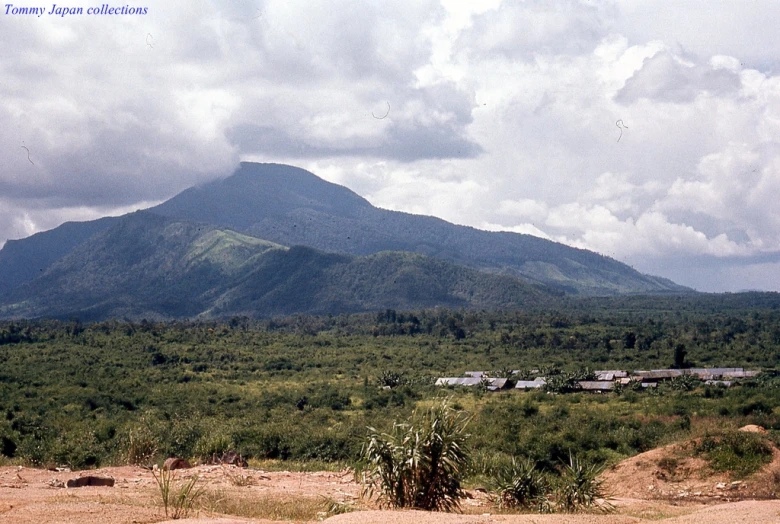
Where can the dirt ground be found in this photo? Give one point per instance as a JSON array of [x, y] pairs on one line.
[[671, 473], [40, 496]]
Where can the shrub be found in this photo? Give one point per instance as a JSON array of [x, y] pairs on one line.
[[562, 383], [78, 449], [488, 463], [521, 485], [214, 443], [737, 452], [7, 447], [419, 464], [142, 444], [684, 383], [581, 488], [391, 379]]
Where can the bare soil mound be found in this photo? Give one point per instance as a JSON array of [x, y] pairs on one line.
[[672, 472]]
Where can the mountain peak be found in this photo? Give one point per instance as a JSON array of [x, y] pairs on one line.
[[258, 190]]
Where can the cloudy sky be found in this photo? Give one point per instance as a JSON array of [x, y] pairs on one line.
[[648, 131]]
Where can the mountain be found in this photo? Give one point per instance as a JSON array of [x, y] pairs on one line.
[[26, 259], [141, 263], [145, 265], [291, 206]]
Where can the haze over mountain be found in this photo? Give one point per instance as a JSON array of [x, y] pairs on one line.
[[222, 249]]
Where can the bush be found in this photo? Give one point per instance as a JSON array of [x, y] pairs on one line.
[[142, 444], [212, 444], [521, 485], [737, 452], [684, 383], [419, 464], [562, 383], [580, 487]]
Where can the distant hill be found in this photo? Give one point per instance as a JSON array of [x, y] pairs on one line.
[[148, 266], [356, 257], [291, 206], [28, 258]]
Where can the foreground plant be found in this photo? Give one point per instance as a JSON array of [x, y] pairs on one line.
[[521, 485], [178, 499], [336, 507], [419, 464], [581, 488]]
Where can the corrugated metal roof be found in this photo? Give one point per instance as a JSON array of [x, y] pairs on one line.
[[705, 373], [529, 384], [616, 373], [492, 383], [714, 371], [475, 374], [739, 374], [658, 374], [458, 381], [596, 385], [726, 383]]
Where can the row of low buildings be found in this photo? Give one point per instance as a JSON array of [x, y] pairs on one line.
[[605, 379]]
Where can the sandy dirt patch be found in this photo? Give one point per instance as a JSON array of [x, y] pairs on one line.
[[36, 496]]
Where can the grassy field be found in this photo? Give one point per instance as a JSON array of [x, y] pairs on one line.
[[304, 389]]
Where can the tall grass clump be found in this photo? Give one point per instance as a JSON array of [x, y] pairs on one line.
[[420, 463], [178, 498], [521, 485], [580, 488]]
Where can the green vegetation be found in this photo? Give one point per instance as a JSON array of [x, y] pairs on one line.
[[148, 266], [736, 452], [299, 392], [580, 488], [522, 485], [419, 464]]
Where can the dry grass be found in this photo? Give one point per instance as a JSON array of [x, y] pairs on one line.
[[296, 465], [266, 507], [654, 511], [238, 477], [178, 497]]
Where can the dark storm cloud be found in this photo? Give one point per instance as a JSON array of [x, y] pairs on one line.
[[402, 144], [425, 123]]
